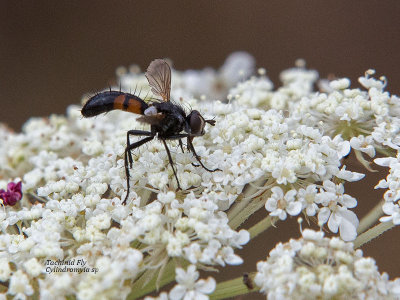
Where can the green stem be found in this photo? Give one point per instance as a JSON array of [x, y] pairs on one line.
[[246, 212], [386, 151], [374, 232], [260, 227], [140, 288], [243, 199], [235, 209], [363, 161], [232, 288], [371, 218]]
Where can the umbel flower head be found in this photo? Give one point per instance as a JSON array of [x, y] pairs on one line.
[[276, 149], [315, 267]]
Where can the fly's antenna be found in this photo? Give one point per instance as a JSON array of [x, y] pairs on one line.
[[211, 121]]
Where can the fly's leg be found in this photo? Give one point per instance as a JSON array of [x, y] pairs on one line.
[[135, 133], [191, 148], [128, 156], [171, 162], [181, 145]]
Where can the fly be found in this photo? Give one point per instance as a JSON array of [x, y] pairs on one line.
[[167, 120]]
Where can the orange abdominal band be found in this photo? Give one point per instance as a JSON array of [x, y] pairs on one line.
[[123, 102]]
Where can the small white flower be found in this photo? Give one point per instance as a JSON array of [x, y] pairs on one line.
[[393, 212], [284, 173], [101, 221], [19, 285], [364, 144], [92, 148], [166, 198], [307, 197], [189, 287], [335, 212], [33, 267], [279, 204], [348, 175], [340, 84], [5, 270], [369, 82]]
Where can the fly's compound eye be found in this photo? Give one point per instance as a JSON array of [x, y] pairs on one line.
[[196, 122]]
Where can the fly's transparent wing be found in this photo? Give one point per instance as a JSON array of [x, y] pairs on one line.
[[159, 77]]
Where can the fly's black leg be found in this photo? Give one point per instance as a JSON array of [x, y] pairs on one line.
[[181, 144], [128, 150], [135, 133], [171, 163], [191, 148]]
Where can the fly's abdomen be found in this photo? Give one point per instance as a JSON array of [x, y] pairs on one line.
[[107, 101]]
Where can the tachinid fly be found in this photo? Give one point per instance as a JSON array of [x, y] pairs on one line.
[[168, 121]]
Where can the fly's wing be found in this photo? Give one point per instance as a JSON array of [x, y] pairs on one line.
[[159, 77]]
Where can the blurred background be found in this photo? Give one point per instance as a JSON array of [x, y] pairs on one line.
[[53, 52]]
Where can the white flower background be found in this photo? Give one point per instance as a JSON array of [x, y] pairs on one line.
[[281, 150]]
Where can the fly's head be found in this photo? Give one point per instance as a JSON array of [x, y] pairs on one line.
[[196, 123]]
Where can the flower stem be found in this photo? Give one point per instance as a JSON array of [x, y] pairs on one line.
[[140, 288], [233, 287], [250, 201], [246, 212], [371, 218], [372, 233], [363, 161], [243, 199], [260, 227]]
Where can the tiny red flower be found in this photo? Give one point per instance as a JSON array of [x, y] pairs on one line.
[[13, 193]]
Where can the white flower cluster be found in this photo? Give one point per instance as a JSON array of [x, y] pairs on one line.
[[391, 207], [73, 179], [193, 229], [257, 91], [368, 118], [329, 201], [314, 267], [265, 144]]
